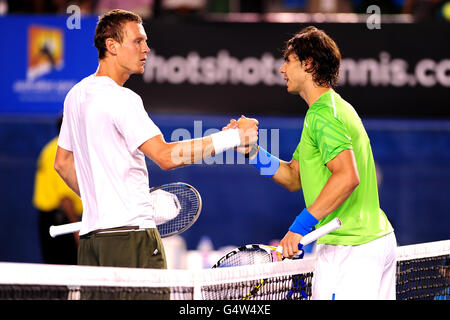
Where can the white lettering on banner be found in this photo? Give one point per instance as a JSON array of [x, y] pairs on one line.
[[225, 69], [42, 90], [222, 69], [387, 72]]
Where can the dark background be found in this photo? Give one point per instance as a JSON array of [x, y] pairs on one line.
[[409, 126]]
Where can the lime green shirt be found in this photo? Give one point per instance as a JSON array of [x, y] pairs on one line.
[[332, 125]]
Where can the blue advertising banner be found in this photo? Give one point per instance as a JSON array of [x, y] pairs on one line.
[[43, 58], [402, 70]]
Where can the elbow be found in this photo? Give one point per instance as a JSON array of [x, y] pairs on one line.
[[166, 163], [293, 188], [353, 182], [58, 166], [166, 166]]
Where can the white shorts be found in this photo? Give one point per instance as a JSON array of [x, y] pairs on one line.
[[364, 272]]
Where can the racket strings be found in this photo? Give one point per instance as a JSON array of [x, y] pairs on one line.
[[248, 256], [189, 202]]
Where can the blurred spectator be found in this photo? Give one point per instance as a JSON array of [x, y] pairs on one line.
[[182, 8], [86, 6], [176, 252], [56, 204], [48, 6], [424, 10], [330, 6], [142, 7], [263, 6], [3, 7]]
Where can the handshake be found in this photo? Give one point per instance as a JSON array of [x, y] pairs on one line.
[[248, 134], [242, 134]]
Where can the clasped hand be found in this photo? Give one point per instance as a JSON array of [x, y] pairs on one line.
[[248, 132]]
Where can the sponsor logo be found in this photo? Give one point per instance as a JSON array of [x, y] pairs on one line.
[[45, 57]]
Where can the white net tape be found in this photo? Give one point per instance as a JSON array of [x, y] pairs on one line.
[[23, 274]]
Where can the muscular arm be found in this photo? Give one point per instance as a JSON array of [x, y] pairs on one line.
[[343, 180], [288, 175], [176, 154], [181, 153], [65, 166], [68, 208]]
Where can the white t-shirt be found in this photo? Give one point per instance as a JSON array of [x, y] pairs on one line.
[[103, 125]]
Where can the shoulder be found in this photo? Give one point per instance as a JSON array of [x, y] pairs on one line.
[[119, 98], [318, 113], [78, 89], [130, 95], [124, 102]]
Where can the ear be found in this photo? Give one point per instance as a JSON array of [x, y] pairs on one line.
[[308, 63], [111, 46]]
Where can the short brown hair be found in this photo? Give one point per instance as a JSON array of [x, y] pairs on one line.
[[315, 44], [110, 25]]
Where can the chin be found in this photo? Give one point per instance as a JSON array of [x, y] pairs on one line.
[[295, 92]]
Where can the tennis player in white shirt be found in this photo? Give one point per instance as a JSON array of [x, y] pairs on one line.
[[105, 136]]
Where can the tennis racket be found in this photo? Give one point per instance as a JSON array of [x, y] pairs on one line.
[[182, 214], [258, 253]]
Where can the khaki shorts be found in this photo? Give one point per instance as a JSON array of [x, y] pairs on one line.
[[132, 249]]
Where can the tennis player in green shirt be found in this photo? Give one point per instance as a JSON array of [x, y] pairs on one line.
[[334, 166]]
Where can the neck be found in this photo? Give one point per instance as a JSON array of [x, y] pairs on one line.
[[107, 68], [312, 92]]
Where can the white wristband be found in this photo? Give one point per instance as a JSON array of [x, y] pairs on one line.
[[226, 139]]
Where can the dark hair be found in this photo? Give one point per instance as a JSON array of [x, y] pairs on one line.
[[110, 25], [315, 44]]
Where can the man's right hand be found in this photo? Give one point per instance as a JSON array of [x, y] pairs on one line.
[[248, 131]]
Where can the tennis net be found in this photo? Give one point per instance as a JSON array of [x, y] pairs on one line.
[[422, 273]]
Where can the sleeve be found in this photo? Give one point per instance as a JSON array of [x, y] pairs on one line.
[[133, 122], [329, 134], [64, 139], [296, 155]]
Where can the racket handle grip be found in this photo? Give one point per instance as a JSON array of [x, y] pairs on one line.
[[280, 248], [316, 234], [64, 229]]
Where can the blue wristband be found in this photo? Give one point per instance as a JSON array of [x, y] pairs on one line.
[[304, 223], [266, 163]]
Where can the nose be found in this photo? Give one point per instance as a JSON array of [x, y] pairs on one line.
[[282, 68], [146, 48]]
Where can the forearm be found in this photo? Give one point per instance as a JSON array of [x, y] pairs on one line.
[[183, 153], [65, 166], [68, 174], [337, 189], [284, 173], [68, 208]]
